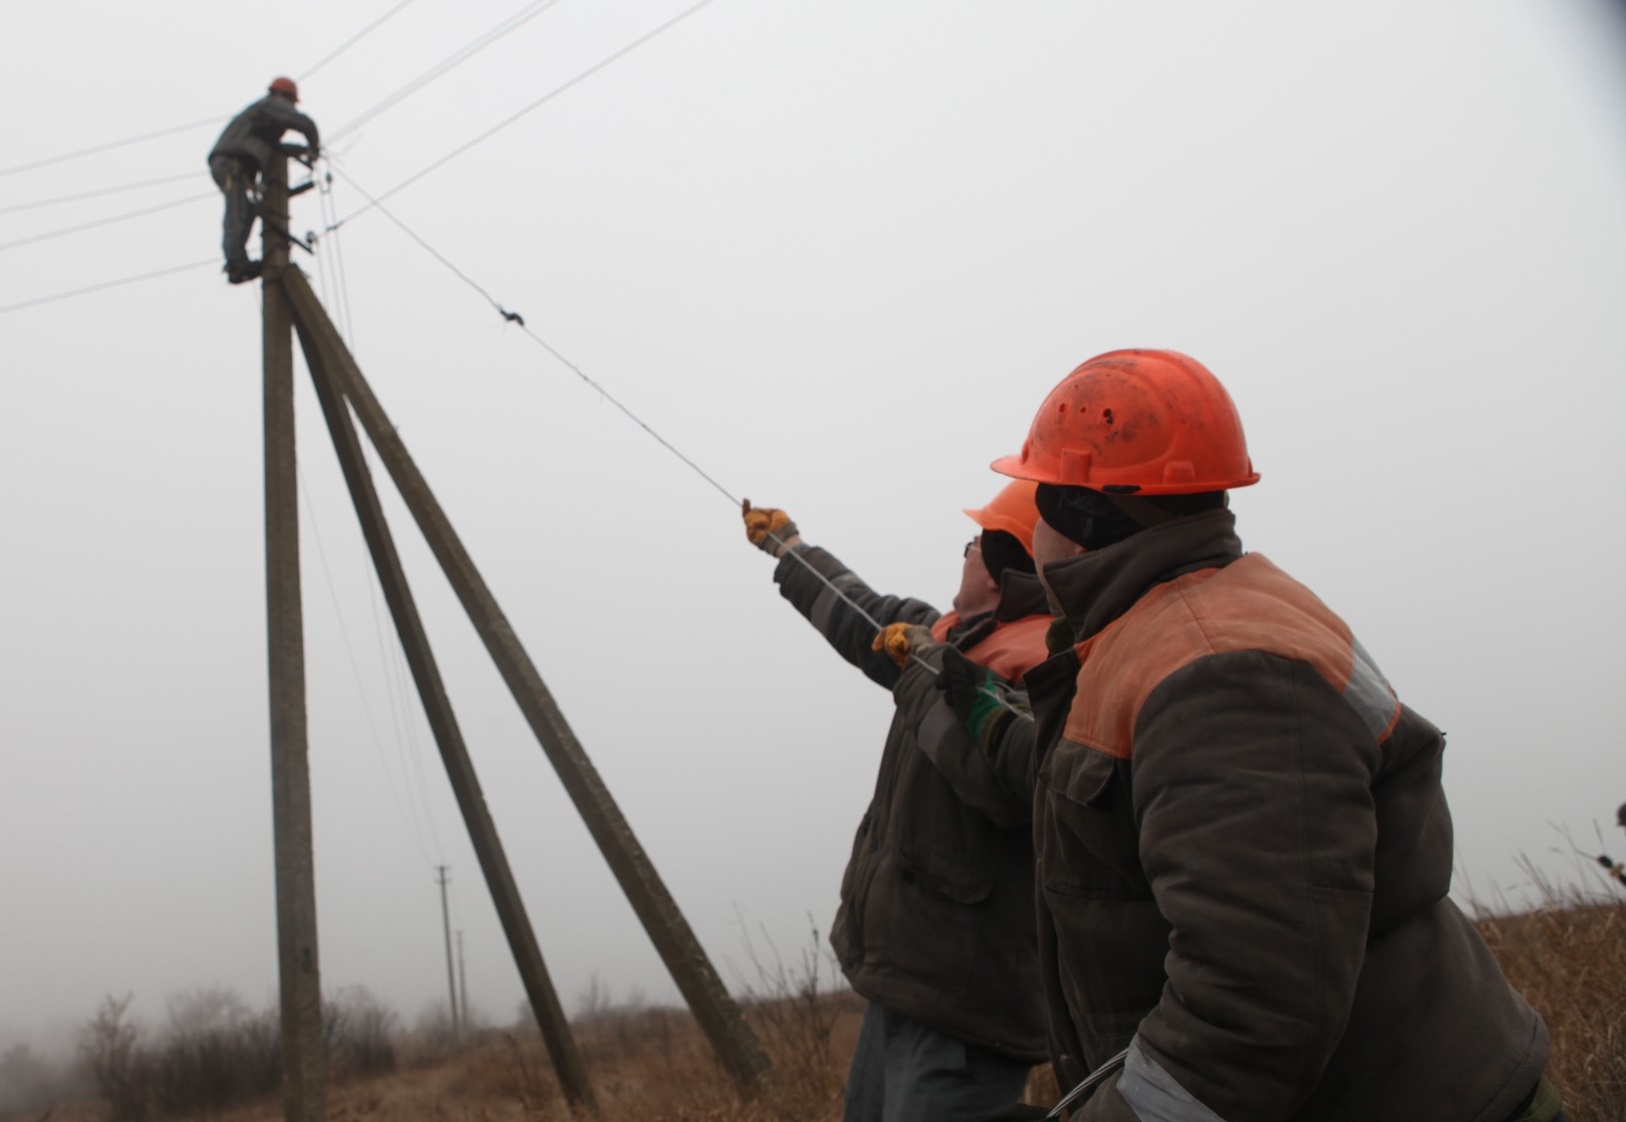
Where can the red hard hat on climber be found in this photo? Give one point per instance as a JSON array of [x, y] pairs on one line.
[[1136, 422], [284, 86]]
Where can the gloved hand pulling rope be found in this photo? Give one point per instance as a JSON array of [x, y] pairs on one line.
[[903, 641], [769, 529]]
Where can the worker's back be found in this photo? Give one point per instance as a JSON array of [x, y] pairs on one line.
[[253, 134]]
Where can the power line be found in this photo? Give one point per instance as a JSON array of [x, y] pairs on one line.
[[112, 144], [91, 225], [100, 192], [515, 317], [446, 65], [173, 129], [354, 39], [538, 103], [55, 296]]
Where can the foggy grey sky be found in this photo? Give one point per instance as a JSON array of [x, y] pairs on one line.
[[837, 252]]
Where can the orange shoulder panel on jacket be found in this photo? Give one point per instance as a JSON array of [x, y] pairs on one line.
[[1014, 648], [945, 623], [1250, 605]]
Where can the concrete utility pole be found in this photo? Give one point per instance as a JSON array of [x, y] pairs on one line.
[[324, 351], [716, 1011], [303, 1062], [462, 985], [451, 981]]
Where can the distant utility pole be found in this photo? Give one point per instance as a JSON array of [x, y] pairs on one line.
[[451, 979], [462, 985]]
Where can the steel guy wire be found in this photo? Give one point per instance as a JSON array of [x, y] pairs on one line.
[[515, 317], [332, 264], [325, 290], [94, 223], [341, 278], [446, 65], [354, 39], [388, 668], [36, 204], [355, 670], [415, 748], [139, 277], [539, 102], [408, 747]]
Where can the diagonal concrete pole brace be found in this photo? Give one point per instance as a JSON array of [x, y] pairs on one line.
[[718, 1014], [533, 972]]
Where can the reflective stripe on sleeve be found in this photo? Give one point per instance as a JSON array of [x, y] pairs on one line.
[[1369, 693], [1153, 1094]]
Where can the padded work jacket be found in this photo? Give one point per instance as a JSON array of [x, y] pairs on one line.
[[255, 133], [1244, 853], [936, 916]]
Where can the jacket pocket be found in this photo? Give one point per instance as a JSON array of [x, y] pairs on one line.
[[948, 877], [1112, 939], [1086, 825], [923, 916], [847, 930]]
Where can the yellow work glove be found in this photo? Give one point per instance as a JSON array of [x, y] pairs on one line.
[[769, 529], [901, 640]]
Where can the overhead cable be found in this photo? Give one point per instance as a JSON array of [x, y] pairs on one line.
[[354, 39], [91, 225], [538, 103], [55, 296], [173, 129], [37, 203], [516, 318], [112, 144], [446, 65]]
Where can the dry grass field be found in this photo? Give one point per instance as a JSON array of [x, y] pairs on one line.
[[1568, 959]]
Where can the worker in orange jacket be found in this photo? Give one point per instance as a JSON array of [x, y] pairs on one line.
[[1244, 848], [935, 926]]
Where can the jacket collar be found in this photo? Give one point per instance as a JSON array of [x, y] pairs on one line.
[[1020, 595], [1097, 587]]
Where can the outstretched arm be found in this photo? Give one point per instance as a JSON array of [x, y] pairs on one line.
[[845, 610]]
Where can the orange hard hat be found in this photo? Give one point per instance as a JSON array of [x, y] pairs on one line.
[[1013, 510], [1136, 422], [284, 86]]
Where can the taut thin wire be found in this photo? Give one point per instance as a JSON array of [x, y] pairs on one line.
[[516, 318]]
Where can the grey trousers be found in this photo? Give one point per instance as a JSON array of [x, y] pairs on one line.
[[906, 1071], [233, 180]]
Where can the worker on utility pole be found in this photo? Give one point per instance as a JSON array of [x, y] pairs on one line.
[[936, 924], [1244, 847], [241, 154]]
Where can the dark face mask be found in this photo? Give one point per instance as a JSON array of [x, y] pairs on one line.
[[1085, 517], [1001, 551]]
